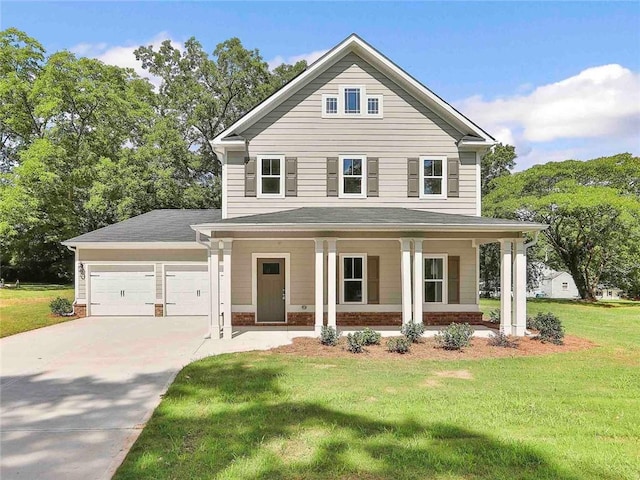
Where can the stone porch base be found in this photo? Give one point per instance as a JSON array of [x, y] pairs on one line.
[[80, 310]]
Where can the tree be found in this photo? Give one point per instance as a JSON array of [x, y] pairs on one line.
[[592, 209], [495, 164]]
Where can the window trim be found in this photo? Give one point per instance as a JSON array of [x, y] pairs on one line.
[[442, 195], [374, 115], [259, 159], [445, 278], [362, 256], [363, 185], [326, 114]]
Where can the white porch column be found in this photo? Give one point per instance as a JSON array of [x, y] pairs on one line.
[[505, 287], [215, 329], [519, 319], [319, 285], [331, 283], [225, 290], [405, 272], [418, 280]]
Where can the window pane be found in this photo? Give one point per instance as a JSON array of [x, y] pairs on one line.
[[433, 268], [352, 100], [353, 291], [266, 166], [432, 186], [357, 268], [348, 267], [428, 168], [433, 291], [347, 166], [353, 185], [372, 106], [437, 168], [271, 269], [332, 105], [270, 185], [357, 166], [275, 166]]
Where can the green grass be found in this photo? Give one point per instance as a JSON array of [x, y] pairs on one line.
[[27, 307], [265, 416]]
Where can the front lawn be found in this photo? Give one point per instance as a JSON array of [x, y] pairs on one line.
[[27, 307], [264, 415]]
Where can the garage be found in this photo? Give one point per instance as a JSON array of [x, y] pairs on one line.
[[122, 290], [186, 290]]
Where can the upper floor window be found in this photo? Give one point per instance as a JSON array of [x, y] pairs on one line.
[[433, 175], [352, 100], [330, 104], [352, 176], [270, 176], [373, 105]]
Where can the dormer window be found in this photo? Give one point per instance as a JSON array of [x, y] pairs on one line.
[[352, 101]]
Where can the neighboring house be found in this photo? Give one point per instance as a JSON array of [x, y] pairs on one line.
[[604, 292], [351, 197], [555, 284]]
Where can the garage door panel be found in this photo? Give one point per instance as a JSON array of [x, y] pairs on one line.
[[187, 293], [122, 293]]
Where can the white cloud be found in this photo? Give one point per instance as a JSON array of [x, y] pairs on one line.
[[309, 57], [599, 106], [122, 55]]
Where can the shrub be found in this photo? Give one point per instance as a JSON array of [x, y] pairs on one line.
[[531, 323], [550, 328], [501, 340], [455, 336], [371, 337], [329, 336], [494, 316], [355, 342], [60, 306], [413, 331], [398, 345]]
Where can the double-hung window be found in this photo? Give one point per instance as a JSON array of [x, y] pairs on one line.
[[435, 278], [271, 176], [353, 176], [353, 276], [433, 177]]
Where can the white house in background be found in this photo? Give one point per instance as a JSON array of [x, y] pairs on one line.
[[350, 197], [608, 293], [555, 284]]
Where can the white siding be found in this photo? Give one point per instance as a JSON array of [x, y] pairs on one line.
[[296, 128]]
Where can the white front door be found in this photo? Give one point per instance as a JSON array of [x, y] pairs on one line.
[[122, 293], [187, 293]]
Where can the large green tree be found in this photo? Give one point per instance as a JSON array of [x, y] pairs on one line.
[[593, 212]]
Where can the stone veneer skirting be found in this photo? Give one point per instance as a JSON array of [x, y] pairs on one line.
[[364, 319], [80, 310], [159, 310]]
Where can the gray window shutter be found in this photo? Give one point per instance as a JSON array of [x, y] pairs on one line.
[[453, 282], [372, 177], [373, 279], [332, 177], [250, 176], [453, 180], [291, 177], [413, 177]]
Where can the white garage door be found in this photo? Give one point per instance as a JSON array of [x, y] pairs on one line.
[[123, 293], [187, 292]]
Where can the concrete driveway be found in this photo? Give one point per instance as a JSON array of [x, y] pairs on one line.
[[74, 396]]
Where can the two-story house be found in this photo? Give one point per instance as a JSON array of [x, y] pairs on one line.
[[350, 197]]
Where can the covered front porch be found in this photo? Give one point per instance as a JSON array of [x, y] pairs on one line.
[[288, 276]]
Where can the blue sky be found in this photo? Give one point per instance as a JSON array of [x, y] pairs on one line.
[[559, 80]]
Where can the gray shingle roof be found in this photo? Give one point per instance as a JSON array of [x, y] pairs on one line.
[[369, 215], [155, 226]]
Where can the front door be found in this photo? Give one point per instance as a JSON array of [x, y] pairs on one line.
[[271, 290]]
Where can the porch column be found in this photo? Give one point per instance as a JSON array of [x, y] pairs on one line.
[[418, 280], [331, 283], [405, 272], [225, 290], [519, 319], [319, 285], [215, 329], [505, 287]]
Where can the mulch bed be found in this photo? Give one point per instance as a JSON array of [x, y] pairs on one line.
[[427, 349]]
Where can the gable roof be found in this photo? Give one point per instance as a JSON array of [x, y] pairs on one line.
[[168, 225], [366, 218], [472, 133]]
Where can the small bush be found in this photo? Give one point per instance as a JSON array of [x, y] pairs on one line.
[[550, 328], [413, 331], [494, 316], [371, 337], [398, 345], [355, 342], [329, 336], [501, 340], [531, 323], [60, 306], [455, 336]]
